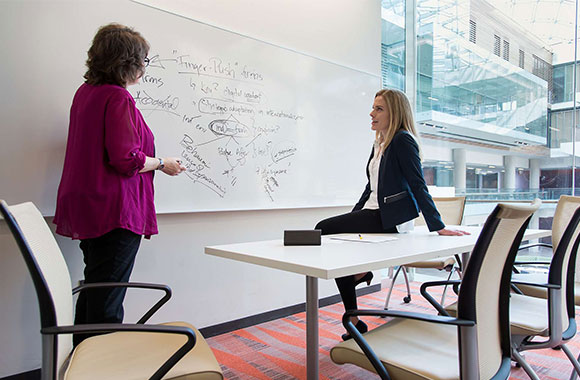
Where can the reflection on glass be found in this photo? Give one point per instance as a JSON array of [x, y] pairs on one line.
[[393, 44], [494, 94], [462, 84]]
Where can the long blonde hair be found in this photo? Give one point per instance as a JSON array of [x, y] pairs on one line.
[[400, 117]]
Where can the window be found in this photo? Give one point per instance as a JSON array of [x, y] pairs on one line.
[[472, 31], [506, 50], [496, 44], [543, 69], [393, 44], [461, 91]]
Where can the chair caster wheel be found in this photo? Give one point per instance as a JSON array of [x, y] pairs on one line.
[[407, 299], [518, 365]]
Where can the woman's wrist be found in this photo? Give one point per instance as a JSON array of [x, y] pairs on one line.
[[161, 164]]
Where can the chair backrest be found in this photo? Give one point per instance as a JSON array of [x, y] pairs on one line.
[[567, 205], [565, 240], [485, 288], [49, 274], [450, 208], [558, 226]]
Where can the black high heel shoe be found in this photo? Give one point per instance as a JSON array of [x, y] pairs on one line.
[[360, 326], [366, 278]]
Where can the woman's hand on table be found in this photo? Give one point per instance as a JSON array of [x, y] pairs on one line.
[[450, 232]]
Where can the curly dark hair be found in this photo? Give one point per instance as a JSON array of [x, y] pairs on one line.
[[116, 56]]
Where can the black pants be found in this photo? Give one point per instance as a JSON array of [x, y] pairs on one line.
[[108, 258], [360, 221]]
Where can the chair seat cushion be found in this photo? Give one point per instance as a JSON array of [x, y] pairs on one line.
[[533, 291], [136, 355], [528, 315], [440, 263], [530, 290], [538, 292], [409, 349]]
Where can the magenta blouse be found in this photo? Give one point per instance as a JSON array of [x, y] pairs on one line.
[[101, 188]]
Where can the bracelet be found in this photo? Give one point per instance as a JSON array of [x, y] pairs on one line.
[[161, 164]]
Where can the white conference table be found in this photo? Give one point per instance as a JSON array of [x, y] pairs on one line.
[[338, 258]]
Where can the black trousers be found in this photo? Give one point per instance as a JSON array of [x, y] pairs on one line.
[[108, 258], [360, 221]]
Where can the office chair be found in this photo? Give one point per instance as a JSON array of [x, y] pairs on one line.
[[129, 351], [558, 226], [553, 316], [451, 210], [476, 344]]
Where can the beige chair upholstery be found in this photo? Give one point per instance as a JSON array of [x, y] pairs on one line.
[[552, 318], [531, 316], [476, 344], [558, 226], [543, 293], [136, 351], [94, 359], [451, 210]]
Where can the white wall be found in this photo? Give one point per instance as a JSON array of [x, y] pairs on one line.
[[210, 290]]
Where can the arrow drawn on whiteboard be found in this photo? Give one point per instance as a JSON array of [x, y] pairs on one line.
[[254, 139], [210, 141], [157, 62]]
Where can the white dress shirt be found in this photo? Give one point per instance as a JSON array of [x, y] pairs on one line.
[[373, 202]]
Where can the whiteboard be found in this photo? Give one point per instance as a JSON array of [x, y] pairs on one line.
[[258, 126]]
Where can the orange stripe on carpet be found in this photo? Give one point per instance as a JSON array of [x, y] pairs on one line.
[[296, 370], [321, 331], [238, 364], [250, 336], [284, 338], [331, 314], [292, 340]]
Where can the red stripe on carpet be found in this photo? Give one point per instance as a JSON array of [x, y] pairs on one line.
[[296, 370], [280, 352], [237, 363], [322, 332]]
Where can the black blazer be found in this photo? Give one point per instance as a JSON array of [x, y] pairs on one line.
[[402, 190]]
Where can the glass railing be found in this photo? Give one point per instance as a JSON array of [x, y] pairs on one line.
[[512, 194]]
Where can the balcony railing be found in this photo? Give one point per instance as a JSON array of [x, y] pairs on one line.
[[545, 194]]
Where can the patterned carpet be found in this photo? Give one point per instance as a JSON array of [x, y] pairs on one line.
[[277, 349]]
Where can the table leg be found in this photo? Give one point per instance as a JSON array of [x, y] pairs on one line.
[[312, 328]]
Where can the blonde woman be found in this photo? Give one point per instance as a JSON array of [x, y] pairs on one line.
[[395, 192]]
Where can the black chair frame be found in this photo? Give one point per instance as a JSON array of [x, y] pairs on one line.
[[48, 319], [466, 316]]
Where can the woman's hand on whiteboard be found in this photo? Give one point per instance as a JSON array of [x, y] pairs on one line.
[[173, 166], [449, 232]]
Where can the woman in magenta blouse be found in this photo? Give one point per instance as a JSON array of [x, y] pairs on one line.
[[105, 197]]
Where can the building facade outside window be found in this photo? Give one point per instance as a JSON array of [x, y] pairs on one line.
[[488, 125]]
